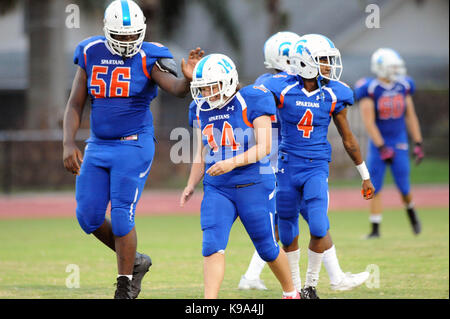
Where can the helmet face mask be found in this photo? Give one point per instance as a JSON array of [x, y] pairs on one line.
[[314, 54], [215, 75], [387, 64], [124, 19]]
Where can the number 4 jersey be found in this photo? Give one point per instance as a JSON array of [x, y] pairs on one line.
[[228, 131], [305, 116], [390, 105], [121, 90]]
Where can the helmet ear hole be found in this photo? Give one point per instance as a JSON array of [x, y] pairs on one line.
[[302, 64]]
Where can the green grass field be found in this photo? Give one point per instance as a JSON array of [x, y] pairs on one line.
[[34, 255], [430, 171]]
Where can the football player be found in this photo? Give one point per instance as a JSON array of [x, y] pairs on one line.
[[276, 59], [234, 131], [388, 113], [121, 74], [307, 101]]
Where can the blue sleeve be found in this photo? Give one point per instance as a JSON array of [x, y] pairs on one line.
[[262, 78], [153, 52], [412, 85], [361, 88], [259, 102], [193, 115], [344, 95], [78, 57]]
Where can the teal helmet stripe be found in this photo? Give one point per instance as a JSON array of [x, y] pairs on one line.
[[200, 66], [329, 41], [125, 13]]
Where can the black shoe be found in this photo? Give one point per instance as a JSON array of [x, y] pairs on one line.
[[414, 220], [123, 289], [373, 235], [309, 293], [142, 264]]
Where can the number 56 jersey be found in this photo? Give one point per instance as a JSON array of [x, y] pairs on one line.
[[305, 116], [121, 90], [228, 131]]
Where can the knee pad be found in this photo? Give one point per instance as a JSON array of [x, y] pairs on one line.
[[317, 218], [287, 211], [122, 221], [210, 246], [268, 251], [287, 229], [89, 218]]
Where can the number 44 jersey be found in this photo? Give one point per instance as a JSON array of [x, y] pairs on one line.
[[305, 116], [121, 90]]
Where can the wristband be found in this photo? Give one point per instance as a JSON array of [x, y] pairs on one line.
[[363, 171]]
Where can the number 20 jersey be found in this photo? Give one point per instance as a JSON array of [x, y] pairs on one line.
[[228, 131], [121, 90], [390, 105], [305, 116]]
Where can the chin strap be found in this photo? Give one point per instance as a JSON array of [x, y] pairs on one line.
[[321, 81]]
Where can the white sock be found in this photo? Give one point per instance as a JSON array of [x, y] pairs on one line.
[[314, 265], [128, 276], [376, 219], [255, 267], [410, 205], [293, 259], [331, 263], [290, 294]]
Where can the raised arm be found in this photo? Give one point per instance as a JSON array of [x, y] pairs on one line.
[[72, 120], [170, 83], [351, 145]]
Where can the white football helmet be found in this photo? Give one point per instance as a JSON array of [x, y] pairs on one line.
[[306, 53], [124, 17], [276, 50], [211, 70], [387, 63]]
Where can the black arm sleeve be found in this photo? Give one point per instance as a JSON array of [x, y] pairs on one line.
[[167, 65]]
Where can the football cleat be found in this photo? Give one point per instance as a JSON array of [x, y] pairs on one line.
[[350, 281], [247, 284], [123, 288], [414, 220], [142, 264], [373, 235], [297, 296], [309, 293]]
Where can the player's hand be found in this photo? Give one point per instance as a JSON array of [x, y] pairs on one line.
[[419, 153], [221, 167], [186, 195], [367, 190], [72, 158], [386, 153], [188, 67]]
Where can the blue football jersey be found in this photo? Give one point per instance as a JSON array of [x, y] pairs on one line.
[[276, 127], [390, 105], [228, 132], [121, 90], [305, 116]]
